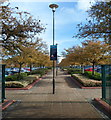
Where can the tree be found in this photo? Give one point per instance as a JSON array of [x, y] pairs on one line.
[[37, 50], [91, 53], [99, 26], [95, 52], [18, 27], [20, 57], [18, 31], [29, 55], [64, 62]]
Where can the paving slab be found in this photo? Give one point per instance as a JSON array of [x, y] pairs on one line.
[[54, 110], [69, 101]]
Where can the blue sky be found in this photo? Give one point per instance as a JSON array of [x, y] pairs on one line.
[[67, 16]]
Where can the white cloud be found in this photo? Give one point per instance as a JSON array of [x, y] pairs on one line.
[[69, 16], [85, 4]]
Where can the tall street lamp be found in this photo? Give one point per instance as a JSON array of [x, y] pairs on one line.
[[53, 7], [56, 63]]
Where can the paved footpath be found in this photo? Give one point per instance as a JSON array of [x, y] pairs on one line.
[[69, 101]]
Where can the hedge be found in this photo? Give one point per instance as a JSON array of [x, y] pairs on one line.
[[74, 71], [41, 71], [23, 83], [14, 84], [86, 82], [24, 79], [96, 76], [16, 77]]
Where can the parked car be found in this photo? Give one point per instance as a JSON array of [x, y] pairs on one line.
[[90, 69], [26, 69], [7, 73]]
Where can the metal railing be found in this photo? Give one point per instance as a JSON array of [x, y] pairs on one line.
[[106, 83], [2, 82]]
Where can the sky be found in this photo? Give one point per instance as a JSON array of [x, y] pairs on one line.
[[67, 16]]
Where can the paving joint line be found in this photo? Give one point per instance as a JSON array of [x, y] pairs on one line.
[[54, 102]]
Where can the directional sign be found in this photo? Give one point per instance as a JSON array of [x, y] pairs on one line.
[[53, 52]]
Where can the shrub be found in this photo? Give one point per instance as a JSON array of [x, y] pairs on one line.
[[21, 76], [86, 81], [23, 83], [11, 78], [74, 71], [16, 77], [96, 76], [14, 84], [29, 79], [39, 71]]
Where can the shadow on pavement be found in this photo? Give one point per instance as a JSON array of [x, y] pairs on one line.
[[43, 83], [70, 82], [53, 119], [100, 108]]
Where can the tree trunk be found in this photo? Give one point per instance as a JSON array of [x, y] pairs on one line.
[[20, 67], [18, 77], [40, 66], [83, 69], [30, 67], [93, 68]]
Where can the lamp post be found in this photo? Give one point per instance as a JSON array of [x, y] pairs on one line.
[[56, 63], [53, 7]]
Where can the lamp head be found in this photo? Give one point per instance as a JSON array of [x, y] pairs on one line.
[[53, 7]]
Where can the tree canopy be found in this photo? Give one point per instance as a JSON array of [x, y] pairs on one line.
[[99, 25], [18, 26], [91, 53], [20, 43]]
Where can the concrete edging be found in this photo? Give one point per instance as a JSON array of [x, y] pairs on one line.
[[7, 103], [82, 87], [106, 106]]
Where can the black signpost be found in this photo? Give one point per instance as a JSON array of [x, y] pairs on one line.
[[53, 52]]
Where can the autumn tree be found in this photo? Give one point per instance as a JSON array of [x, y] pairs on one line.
[[99, 24], [18, 27], [37, 50], [20, 57], [64, 62], [28, 55], [95, 52], [18, 36], [91, 53]]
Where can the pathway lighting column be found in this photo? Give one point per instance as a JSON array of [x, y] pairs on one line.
[[56, 64], [53, 7]]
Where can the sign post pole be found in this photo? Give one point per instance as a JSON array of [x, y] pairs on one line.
[[53, 56], [53, 7]]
